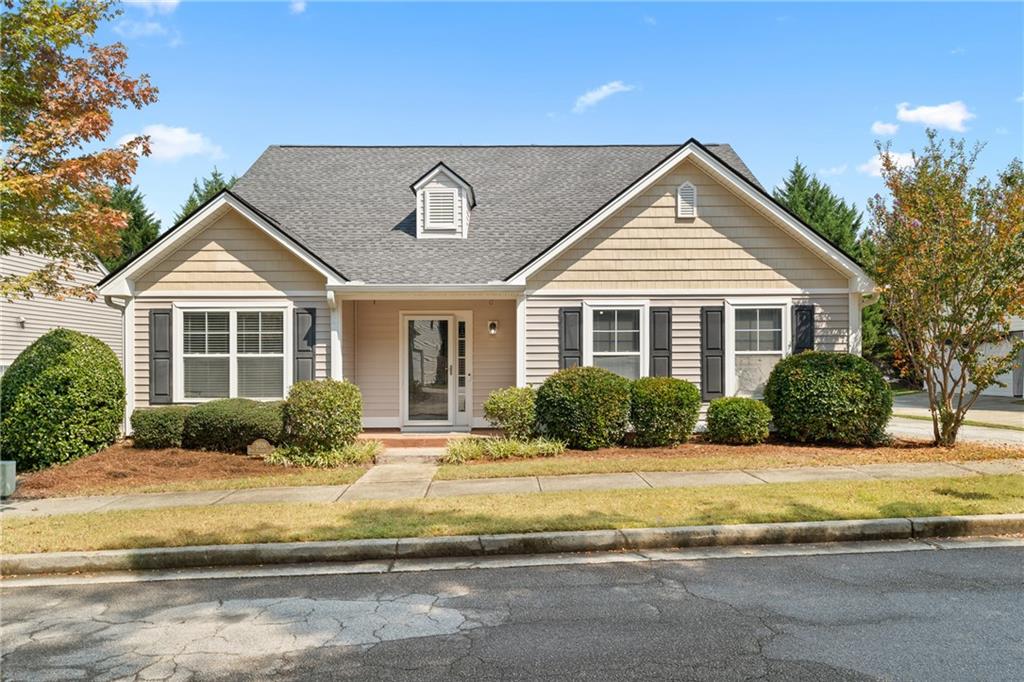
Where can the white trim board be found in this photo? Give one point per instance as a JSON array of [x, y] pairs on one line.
[[679, 293], [859, 280], [123, 283]]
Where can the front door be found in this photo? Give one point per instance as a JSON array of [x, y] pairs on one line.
[[428, 364]]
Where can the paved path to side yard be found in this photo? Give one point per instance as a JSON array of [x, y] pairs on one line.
[[988, 409], [414, 480], [920, 429]]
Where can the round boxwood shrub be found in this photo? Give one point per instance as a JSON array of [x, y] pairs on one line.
[[231, 424], [663, 410], [513, 410], [738, 421], [159, 427], [828, 397], [586, 407], [62, 398], [322, 415]]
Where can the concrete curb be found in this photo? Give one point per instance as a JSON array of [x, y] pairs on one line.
[[513, 543]]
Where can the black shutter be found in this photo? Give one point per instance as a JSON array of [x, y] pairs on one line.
[[712, 353], [160, 363], [803, 328], [305, 343], [661, 342], [570, 337]]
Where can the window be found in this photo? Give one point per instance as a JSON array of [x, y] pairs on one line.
[[232, 353], [686, 201], [206, 354], [615, 341], [758, 346], [260, 354], [442, 206]]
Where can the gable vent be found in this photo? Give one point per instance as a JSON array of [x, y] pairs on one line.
[[441, 206], [686, 201]]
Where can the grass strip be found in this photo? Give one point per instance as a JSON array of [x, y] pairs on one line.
[[966, 422], [515, 513], [693, 458]]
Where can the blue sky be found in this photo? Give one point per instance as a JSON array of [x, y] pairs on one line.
[[777, 81]]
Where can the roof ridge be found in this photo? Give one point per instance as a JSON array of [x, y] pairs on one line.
[[481, 146]]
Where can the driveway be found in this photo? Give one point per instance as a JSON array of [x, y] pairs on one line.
[[988, 409], [906, 615]]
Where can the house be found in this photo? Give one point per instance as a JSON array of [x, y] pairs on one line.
[[23, 320], [1013, 380], [431, 276]]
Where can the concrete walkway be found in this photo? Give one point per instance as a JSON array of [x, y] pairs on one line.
[[413, 480], [989, 409]]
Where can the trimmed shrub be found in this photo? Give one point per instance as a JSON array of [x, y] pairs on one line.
[[357, 453], [231, 424], [62, 398], [586, 407], [514, 411], [159, 427], [829, 397], [470, 449], [738, 421], [663, 410], [322, 415]]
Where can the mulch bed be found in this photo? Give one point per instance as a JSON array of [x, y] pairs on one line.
[[121, 463]]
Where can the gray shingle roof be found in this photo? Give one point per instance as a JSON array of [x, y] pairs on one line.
[[352, 206]]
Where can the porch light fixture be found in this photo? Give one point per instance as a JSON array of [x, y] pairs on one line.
[[492, 327]]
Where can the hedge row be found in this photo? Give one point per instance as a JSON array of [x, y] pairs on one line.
[[810, 397]]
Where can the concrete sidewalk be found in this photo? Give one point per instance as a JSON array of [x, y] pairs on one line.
[[414, 481], [919, 429], [995, 410]]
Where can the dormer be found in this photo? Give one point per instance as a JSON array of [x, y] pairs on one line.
[[443, 203]]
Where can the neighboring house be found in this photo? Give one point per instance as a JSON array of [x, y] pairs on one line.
[[1013, 380], [24, 320], [431, 276]]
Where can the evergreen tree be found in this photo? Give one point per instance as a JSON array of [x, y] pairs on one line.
[[816, 204], [142, 228], [202, 190]]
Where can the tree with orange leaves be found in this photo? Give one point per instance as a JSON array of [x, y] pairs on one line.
[[59, 90], [950, 263]]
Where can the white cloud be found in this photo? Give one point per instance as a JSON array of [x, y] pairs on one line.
[[156, 6], [1021, 98], [650, 21], [297, 6], [880, 128], [167, 143], [957, 51], [834, 170], [950, 116], [129, 28], [873, 166], [1002, 131], [592, 97]]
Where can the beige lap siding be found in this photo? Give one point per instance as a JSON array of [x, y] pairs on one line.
[[231, 255], [322, 360], [645, 247], [376, 366], [831, 328]]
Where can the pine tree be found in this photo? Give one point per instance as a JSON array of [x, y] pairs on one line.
[[143, 227], [202, 191], [816, 204]]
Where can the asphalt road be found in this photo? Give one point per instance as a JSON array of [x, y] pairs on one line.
[[924, 615]]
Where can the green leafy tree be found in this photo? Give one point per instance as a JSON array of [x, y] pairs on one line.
[[202, 191], [816, 204], [142, 228], [949, 259], [59, 89]]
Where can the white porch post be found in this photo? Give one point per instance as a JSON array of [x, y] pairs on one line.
[[521, 341], [334, 303], [128, 351]]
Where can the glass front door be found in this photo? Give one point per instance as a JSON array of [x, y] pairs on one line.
[[428, 369]]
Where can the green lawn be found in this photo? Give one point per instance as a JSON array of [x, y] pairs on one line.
[[515, 513], [706, 457]]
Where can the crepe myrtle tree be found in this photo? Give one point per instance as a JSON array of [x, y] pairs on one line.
[[949, 259]]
